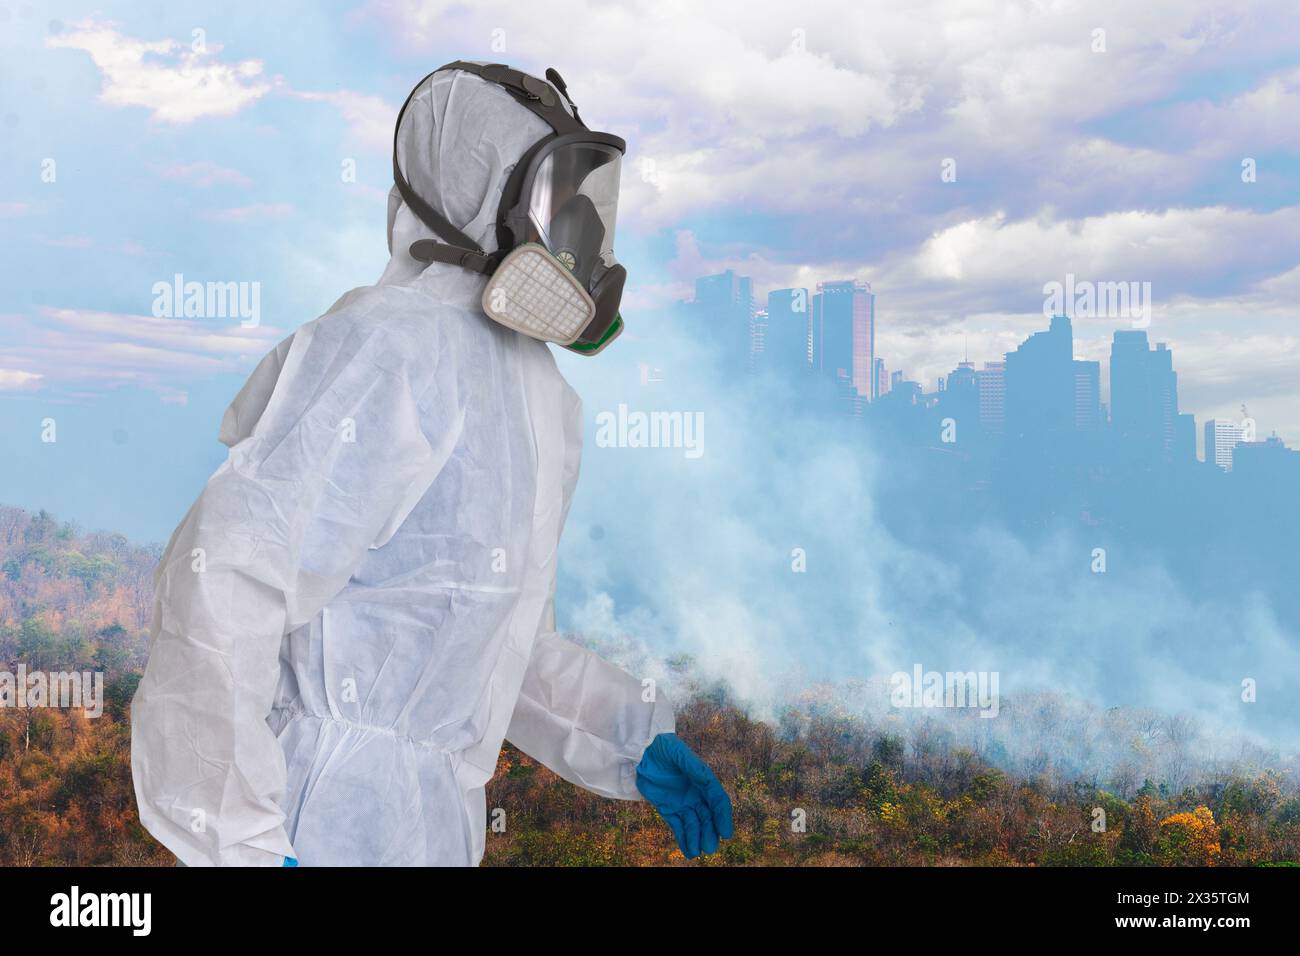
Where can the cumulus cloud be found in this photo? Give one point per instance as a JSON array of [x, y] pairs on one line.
[[1075, 151], [174, 82], [180, 84], [1177, 248], [1255, 120], [800, 108], [1223, 285], [798, 144]]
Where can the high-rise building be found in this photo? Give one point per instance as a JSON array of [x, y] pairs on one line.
[[844, 333], [724, 309], [788, 340], [758, 340], [1185, 438], [991, 386], [1143, 395], [962, 377], [725, 290], [1266, 461], [864, 341], [904, 392], [1087, 395], [1166, 396], [1221, 437], [960, 400], [1040, 387], [882, 378]]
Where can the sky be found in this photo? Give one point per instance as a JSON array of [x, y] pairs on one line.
[[793, 143], [957, 155]]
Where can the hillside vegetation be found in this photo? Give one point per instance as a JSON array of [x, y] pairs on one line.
[[818, 787]]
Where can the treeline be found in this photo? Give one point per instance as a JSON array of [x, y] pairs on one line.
[[835, 795], [71, 601], [813, 788], [822, 798]]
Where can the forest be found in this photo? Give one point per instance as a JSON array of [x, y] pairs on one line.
[[819, 785]]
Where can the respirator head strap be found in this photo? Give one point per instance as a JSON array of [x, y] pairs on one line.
[[426, 213], [539, 96], [427, 250]]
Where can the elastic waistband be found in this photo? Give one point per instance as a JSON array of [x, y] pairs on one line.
[[289, 714]]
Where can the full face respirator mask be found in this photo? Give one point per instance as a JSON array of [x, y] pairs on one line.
[[554, 276]]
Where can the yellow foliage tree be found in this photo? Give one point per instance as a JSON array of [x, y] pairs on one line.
[[1189, 839]]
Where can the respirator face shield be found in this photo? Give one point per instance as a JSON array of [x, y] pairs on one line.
[[567, 205], [555, 276]]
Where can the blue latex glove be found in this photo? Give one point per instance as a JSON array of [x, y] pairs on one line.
[[686, 793], [290, 861]]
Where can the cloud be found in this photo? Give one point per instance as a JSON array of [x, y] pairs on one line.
[[1224, 286], [84, 351], [369, 119], [179, 85], [1178, 248], [847, 112], [70, 242], [797, 144], [256, 212], [12, 379], [204, 173], [12, 210], [174, 82], [150, 332], [1255, 120]]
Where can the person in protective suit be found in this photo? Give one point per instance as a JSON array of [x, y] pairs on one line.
[[358, 608]]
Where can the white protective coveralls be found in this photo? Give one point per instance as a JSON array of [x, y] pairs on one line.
[[358, 607]]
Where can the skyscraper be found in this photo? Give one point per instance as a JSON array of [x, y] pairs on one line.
[[864, 342], [962, 377], [724, 290], [991, 386], [788, 336], [844, 333], [960, 401], [1143, 396], [1268, 461], [1221, 437], [882, 378], [724, 311], [758, 340], [1087, 395], [1040, 386], [1185, 438]]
